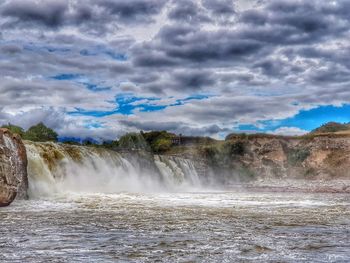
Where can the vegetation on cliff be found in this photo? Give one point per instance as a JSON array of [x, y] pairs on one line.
[[331, 127], [37, 133], [132, 141], [159, 141], [297, 156], [14, 129], [40, 133], [243, 156]]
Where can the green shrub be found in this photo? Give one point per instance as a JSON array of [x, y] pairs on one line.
[[214, 154], [159, 141], [40, 133], [331, 127], [132, 141], [296, 156], [14, 129], [161, 145]]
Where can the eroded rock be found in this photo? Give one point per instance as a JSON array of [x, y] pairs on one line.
[[13, 168]]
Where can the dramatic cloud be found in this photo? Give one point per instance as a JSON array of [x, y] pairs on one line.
[[201, 67], [90, 16], [48, 13]]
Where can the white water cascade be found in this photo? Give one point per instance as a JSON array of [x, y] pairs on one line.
[[55, 168], [177, 171]]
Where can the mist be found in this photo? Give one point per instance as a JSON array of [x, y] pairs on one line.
[[58, 169]]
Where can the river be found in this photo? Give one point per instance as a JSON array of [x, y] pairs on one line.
[[204, 226], [94, 205]]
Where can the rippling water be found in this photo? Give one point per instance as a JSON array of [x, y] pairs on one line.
[[182, 227]]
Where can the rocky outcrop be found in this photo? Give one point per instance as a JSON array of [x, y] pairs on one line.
[[310, 157], [13, 168], [238, 159], [273, 157]]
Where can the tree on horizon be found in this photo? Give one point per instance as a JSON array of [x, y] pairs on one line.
[[40, 133]]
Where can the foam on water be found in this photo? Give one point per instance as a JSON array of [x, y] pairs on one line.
[[169, 227], [57, 168], [94, 205]]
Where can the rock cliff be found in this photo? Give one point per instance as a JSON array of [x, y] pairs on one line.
[[271, 157], [13, 168], [241, 158], [313, 157]]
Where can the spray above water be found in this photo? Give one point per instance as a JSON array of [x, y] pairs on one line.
[[177, 171], [58, 168]]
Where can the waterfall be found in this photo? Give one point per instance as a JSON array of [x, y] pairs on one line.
[[177, 171], [55, 168]]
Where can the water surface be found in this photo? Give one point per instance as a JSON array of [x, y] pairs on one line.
[[182, 227]]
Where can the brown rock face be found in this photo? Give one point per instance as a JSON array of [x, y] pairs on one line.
[[319, 157], [314, 157], [13, 168]]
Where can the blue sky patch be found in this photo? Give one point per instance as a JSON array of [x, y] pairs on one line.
[[100, 50], [68, 76], [40, 48], [306, 120], [93, 125], [126, 105], [95, 88], [192, 97], [80, 79]]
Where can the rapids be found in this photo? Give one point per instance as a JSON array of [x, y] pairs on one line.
[[93, 205], [177, 227]]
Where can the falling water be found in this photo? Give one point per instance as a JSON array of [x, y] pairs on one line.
[[177, 171], [56, 168], [94, 205]]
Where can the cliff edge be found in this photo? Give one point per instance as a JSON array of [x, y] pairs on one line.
[[13, 168], [263, 156]]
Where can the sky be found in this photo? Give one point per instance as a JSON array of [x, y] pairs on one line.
[[102, 68]]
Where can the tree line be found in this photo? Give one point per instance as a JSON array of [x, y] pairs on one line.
[[36, 133], [153, 141], [156, 141]]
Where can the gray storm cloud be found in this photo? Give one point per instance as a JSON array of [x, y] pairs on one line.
[[268, 60]]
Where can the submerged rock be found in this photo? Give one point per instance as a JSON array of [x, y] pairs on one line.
[[13, 168]]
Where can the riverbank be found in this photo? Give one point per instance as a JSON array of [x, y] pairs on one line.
[[336, 186]]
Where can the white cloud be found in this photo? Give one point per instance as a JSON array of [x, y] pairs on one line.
[[261, 63], [289, 131]]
